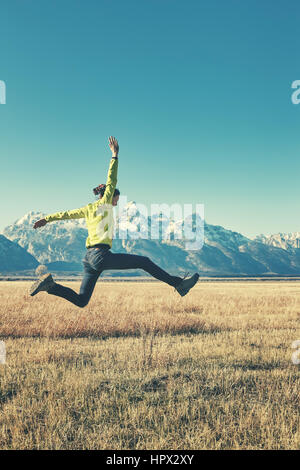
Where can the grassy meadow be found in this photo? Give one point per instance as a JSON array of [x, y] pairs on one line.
[[142, 368]]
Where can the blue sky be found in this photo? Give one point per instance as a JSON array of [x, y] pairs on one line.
[[198, 94]]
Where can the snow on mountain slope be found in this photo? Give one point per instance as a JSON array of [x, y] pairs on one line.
[[224, 252], [286, 241], [60, 241]]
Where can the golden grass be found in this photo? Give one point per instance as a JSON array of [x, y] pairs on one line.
[[142, 368]]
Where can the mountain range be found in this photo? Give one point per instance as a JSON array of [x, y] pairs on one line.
[[61, 246]]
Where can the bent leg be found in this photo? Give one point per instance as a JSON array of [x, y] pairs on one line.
[[86, 289], [127, 261]]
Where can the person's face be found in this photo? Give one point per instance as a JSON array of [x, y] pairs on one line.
[[115, 200]]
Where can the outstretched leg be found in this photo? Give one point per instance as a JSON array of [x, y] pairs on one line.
[[127, 261], [86, 289]]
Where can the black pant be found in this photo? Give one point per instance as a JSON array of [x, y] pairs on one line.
[[97, 260]]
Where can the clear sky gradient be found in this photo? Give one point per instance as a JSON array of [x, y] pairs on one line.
[[198, 93]]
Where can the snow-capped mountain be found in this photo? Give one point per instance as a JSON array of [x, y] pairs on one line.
[[286, 241], [61, 244], [61, 241]]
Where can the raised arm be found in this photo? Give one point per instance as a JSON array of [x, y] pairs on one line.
[[111, 182], [72, 214]]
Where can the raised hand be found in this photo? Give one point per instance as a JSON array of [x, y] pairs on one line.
[[40, 223], [113, 145]]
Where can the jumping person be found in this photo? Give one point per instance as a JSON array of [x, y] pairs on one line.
[[98, 258]]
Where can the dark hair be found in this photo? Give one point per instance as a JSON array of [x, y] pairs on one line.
[[101, 190]]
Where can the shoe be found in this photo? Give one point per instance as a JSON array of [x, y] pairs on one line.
[[186, 284], [43, 284]]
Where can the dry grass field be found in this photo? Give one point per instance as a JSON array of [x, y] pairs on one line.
[[142, 368]]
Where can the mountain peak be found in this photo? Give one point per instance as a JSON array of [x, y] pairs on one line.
[[286, 241], [27, 218]]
